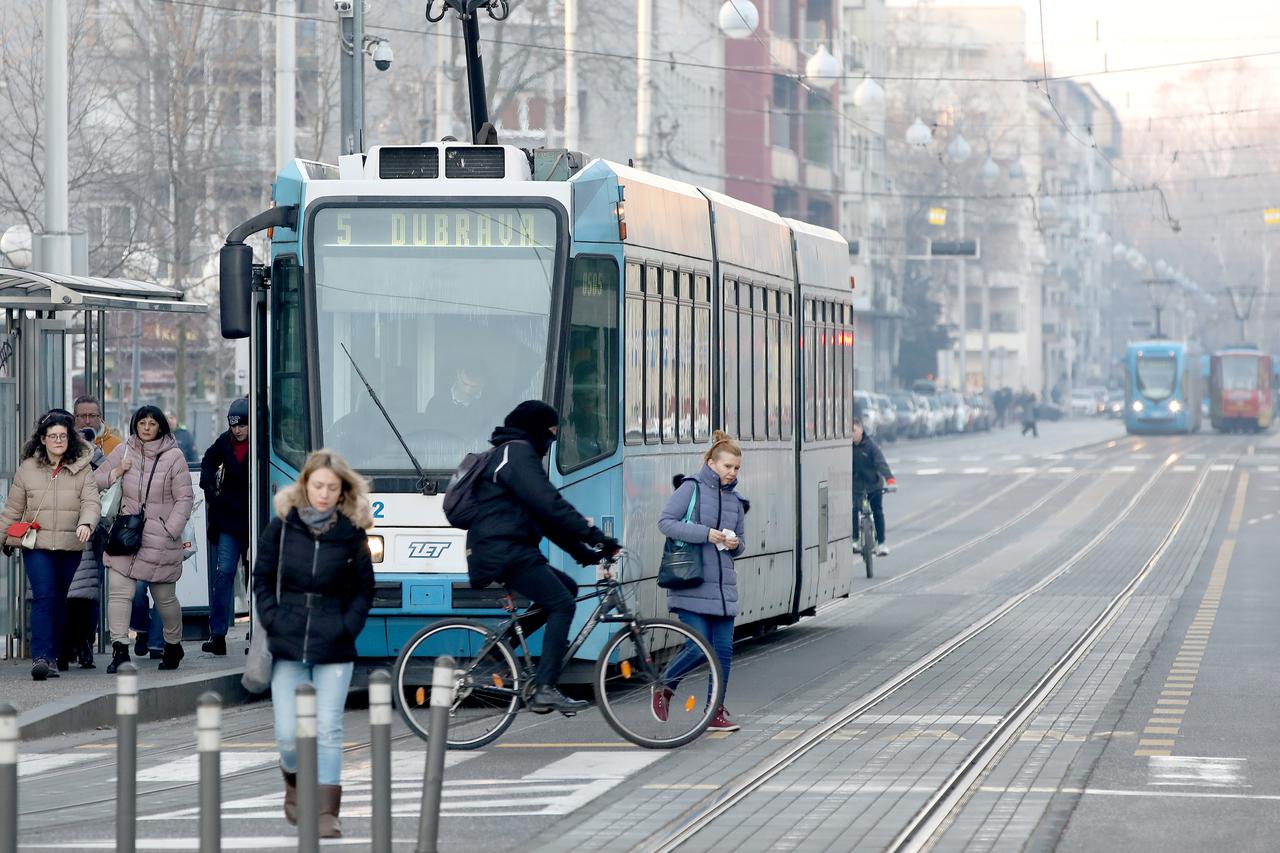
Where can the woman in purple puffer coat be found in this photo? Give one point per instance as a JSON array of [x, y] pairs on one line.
[[155, 476], [710, 607]]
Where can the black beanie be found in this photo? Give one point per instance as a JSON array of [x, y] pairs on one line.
[[534, 417], [238, 412]]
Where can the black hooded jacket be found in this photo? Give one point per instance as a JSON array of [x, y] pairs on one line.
[[517, 506], [226, 508]]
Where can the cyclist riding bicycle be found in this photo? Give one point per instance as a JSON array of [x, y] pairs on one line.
[[870, 470], [516, 506]]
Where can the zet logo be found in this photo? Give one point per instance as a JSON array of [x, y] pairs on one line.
[[427, 550]]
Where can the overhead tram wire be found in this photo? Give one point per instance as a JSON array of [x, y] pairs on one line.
[[1043, 86], [942, 78]]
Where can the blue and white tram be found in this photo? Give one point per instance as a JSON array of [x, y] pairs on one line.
[[647, 310], [1162, 387]]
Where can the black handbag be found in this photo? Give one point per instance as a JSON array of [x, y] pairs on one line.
[[125, 538], [681, 566]]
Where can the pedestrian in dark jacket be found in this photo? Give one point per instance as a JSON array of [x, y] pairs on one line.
[[1027, 413], [224, 479], [516, 507], [710, 607], [870, 469], [316, 553]]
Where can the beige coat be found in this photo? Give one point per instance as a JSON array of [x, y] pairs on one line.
[[64, 503], [168, 506]]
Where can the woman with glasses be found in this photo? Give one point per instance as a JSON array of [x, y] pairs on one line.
[[54, 492]]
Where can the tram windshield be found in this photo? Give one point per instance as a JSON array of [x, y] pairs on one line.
[[1239, 373], [445, 309], [1157, 376]]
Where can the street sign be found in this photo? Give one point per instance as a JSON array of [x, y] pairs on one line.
[[953, 248], [1271, 216], [937, 216]]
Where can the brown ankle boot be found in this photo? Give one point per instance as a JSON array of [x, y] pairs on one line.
[[290, 796], [330, 805]]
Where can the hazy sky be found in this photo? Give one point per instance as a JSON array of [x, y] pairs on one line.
[[1082, 35]]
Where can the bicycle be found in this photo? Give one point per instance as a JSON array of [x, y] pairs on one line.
[[491, 685], [867, 526]]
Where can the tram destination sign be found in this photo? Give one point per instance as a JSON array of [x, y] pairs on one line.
[[436, 227]]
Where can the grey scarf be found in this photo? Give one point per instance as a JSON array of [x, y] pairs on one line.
[[318, 520]]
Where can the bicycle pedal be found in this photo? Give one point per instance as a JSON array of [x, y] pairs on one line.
[[533, 710], [569, 713]]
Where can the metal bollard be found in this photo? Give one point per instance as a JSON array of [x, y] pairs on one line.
[[8, 778], [209, 746], [308, 769], [126, 758], [380, 761], [442, 688]]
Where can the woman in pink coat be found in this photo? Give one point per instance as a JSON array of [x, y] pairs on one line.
[[156, 483]]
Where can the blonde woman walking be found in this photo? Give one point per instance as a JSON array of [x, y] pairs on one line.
[[313, 585]]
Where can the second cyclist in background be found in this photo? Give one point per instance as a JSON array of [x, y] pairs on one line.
[[516, 506], [870, 471]]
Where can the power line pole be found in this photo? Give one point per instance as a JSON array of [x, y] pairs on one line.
[[963, 298], [351, 19], [644, 81], [57, 238], [570, 75], [286, 81]]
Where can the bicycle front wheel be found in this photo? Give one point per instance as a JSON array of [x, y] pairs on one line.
[[658, 683], [868, 545], [486, 687]]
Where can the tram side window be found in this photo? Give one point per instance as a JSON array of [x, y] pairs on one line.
[[289, 403], [685, 361], [848, 371], [702, 359], [652, 354], [810, 373], [590, 397], [746, 376], [788, 345], [669, 395], [759, 372], [634, 379], [730, 345], [771, 353], [828, 376]]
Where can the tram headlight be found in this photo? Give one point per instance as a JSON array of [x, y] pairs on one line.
[[1137, 406], [1175, 406], [377, 548]]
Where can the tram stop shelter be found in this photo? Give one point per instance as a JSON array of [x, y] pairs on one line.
[[45, 320]]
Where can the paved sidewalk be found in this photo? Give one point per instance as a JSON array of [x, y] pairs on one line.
[[83, 699]]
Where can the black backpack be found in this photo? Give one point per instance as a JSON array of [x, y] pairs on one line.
[[460, 506]]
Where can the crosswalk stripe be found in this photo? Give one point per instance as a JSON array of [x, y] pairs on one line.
[[1123, 469], [976, 470], [39, 762], [1183, 469], [187, 767]]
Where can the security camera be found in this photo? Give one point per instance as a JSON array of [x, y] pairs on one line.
[[382, 55], [342, 7]]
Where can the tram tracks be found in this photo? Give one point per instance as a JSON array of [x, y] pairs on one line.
[[933, 814]]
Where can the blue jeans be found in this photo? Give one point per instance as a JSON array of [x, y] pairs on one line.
[[331, 681], [146, 621], [49, 575], [222, 584], [719, 632]]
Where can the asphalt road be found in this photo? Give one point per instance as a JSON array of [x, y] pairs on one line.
[[1156, 732]]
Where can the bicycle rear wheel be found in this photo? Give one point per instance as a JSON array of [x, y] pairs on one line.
[[487, 685], [643, 660], [868, 533]]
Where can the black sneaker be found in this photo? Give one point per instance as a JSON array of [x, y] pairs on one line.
[[39, 670], [546, 699], [217, 644], [119, 655], [140, 646]]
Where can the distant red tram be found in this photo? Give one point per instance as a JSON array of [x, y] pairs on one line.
[[1241, 393]]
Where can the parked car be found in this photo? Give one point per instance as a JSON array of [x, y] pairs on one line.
[[1083, 402], [937, 419], [868, 411], [912, 422], [1048, 412], [888, 417], [982, 414], [957, 412]]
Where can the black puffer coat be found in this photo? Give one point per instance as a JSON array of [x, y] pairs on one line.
[[326, 589], [517, 506], [226, 508]]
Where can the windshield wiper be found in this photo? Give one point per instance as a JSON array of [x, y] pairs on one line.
[[425, 485]]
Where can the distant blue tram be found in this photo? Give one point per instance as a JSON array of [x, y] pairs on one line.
[[1163, 387]]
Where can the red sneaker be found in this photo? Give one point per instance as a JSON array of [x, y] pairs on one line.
[[662, 703], [722, 723]]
